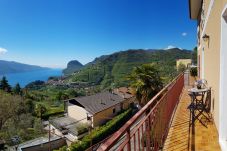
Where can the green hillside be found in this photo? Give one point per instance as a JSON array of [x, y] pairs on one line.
[[113, 69]]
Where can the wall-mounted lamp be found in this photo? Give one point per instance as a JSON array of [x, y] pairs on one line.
[[206, 38]]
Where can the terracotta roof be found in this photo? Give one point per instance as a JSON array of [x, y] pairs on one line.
[[123, 92], [98, 102]]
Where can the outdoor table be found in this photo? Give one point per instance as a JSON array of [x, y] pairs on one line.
[[195, 92], [197, 103]]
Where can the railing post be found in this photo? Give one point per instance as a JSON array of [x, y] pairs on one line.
[[128, 139], [148, 135]]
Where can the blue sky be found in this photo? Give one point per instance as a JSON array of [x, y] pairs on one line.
[[53, 32]]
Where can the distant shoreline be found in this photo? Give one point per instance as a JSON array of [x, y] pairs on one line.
[[23, 78]]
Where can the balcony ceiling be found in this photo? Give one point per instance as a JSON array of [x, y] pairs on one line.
[[194, 8]]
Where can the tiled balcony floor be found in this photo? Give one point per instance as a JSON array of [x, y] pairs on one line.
[[203, 139]]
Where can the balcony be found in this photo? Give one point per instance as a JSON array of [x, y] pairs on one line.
[[163, 123], [197, 138]]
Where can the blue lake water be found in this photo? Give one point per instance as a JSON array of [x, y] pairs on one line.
[[26, 77]]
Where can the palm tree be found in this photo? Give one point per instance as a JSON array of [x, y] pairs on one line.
[[147, 82]]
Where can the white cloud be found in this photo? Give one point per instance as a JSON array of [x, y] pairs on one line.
[[184, 34], [3, 51]]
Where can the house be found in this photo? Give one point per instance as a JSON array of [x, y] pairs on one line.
[[98, 108], [83, 113], [67, 127], [211, 17], [186, 62], [127, 94]]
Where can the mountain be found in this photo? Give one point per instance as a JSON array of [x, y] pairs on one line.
[[72, 67], [113, 69], [15, 67]]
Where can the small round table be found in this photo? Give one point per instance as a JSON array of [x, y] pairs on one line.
[[194, 92], [197, 104]]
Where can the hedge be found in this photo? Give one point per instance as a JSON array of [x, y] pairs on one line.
[[102, 132], [46, 116]]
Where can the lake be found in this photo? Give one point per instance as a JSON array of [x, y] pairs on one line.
[[24, 78]]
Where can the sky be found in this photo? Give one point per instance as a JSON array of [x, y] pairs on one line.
[[50, 33]]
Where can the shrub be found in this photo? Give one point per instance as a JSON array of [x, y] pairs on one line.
[[181, 67], [62, 149], [56, 112], [194, 72], [82, 128]]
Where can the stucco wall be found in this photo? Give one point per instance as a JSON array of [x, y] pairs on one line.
[[212, 53], [101, 117], [77, 113]]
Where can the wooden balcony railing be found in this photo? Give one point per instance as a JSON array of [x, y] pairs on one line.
[[148, 128]]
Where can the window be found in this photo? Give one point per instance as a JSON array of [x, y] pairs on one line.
[[114, 110]]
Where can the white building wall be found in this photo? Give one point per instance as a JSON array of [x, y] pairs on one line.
[[223, 82], [77, 112]]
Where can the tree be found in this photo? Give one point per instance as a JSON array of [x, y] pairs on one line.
[[40, 110], [71, 93], [9, 107], [17, 89], [4, 85], [147, 82], [61, 96], [35, 85], [29, 105], [15, 120], [181, 67]]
